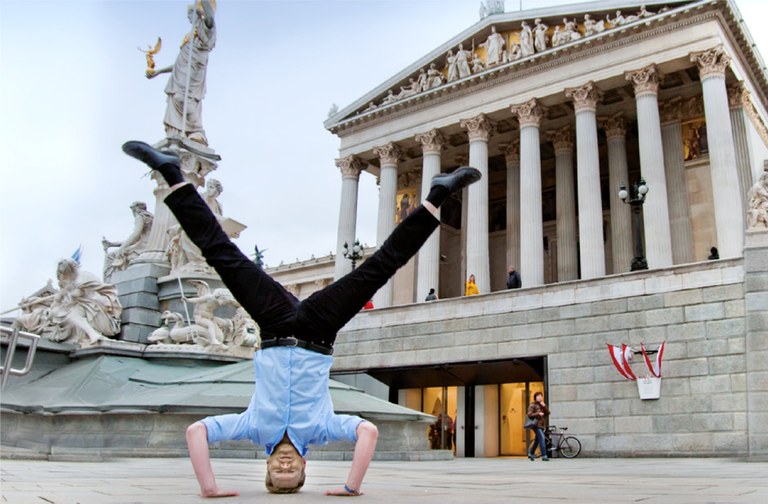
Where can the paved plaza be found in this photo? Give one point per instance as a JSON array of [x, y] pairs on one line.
[[502, 480]]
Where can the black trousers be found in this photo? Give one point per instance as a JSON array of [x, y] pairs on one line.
[[279, 313]]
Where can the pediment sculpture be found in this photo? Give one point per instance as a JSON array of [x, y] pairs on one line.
[[757, 215]]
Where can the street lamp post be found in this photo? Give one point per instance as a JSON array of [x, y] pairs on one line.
[[636, 200], [355, 253]]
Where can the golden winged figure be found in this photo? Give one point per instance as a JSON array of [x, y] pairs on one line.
[[150, 52]]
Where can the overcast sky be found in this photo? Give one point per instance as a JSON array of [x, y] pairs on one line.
[[72, 90]]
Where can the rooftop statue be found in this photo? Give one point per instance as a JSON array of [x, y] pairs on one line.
[[526, 40], [186, 85], [491, 7], [494, 47], [591, 26], [130, 248], [540, 38], [84, 310], [757, 215]]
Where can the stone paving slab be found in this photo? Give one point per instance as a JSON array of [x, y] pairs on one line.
[[170, 481]]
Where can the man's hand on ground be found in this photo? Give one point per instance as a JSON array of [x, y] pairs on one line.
[[218, 492], [341, 492]]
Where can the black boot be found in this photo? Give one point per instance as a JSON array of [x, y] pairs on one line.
[[445, 184], [167, 163]]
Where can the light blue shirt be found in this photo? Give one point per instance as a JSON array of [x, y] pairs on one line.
[[291, 396]]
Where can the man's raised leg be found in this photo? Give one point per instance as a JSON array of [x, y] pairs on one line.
[[321, 315], [265, 300]]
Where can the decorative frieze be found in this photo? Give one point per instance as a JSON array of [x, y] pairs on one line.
[[350, 167], [478, 128], [511, 150], [432, 142], [613, 125], [738, 95], [712, 62], [585, 97], [529, 113], [671, 110], [561, 138], [646, 80], [389, 154]]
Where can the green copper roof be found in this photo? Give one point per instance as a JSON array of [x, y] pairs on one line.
[[110, 383]]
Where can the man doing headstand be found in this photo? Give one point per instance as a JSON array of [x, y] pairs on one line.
[[291, 406]]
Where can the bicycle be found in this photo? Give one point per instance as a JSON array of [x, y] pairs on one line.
[[558, 442]]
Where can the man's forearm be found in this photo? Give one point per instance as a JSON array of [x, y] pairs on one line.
[[197, 443], [367, 436]]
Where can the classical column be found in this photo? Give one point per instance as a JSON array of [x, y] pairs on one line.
[[389, 155], [511, 153], [738, 98], [350, 167], [565, 194], [658, 238], [621, 223], [677, 188], [729, 219], [479, 130], [591, 246], [531, 268], [428, 265]]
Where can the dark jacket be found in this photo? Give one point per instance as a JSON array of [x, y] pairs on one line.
[[513, 280], [533, 412]]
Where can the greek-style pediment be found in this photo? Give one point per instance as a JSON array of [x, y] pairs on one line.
[[504, 46]]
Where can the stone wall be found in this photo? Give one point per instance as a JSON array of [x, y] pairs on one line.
[[96, 435], [698, 309]]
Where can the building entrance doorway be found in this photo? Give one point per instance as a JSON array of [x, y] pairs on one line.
[[514, 399]]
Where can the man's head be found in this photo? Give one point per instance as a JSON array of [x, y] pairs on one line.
[[285, 469]]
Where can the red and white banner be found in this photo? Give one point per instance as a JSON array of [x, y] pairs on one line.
[[654, 367], [621, 357]]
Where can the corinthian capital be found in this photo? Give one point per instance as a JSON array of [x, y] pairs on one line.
[[529, 113], [561, 138], [585, 97], [738, 95], [350, 167], [646, 80], [389, 153], [711, 63], [671, 110], [511, 150], [613, 125], [478, 128], [432, 142]]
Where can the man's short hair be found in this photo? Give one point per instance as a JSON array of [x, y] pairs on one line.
[[276, 490]]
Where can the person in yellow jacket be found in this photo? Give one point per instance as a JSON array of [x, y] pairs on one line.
[[470, 288]]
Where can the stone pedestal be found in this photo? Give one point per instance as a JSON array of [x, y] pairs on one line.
[[756, 313], [137, 289]]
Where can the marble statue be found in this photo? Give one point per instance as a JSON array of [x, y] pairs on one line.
[[526, 40], [186, 85], [206, 302], [132, 246], [644, 13], [515, 52], [463, 59], [421, 81], [494, 47], [183, 255], [591, 26], [333, 110], [371, 106], [540, 36], [411, 89], [434, 77], [390, 98], [83, 311], [490, 7], [757, 215], [569, 33], [477, 64], [620, 20], [453, 68]]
